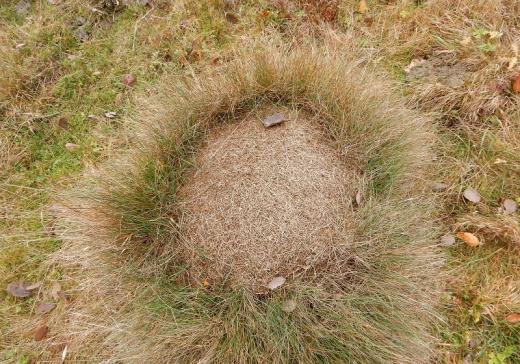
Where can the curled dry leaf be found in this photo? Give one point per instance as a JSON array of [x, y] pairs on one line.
[[41, 332], [44, 308], [509, 206], [515, 84], [513, 318], [469, 238], [277, 282], [472, 195]]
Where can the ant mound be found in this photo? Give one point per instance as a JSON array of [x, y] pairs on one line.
[[265, 202], [213, 239]]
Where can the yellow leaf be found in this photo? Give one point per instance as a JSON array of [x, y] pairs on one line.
[[513, 318], [363, 7], [469, 239]]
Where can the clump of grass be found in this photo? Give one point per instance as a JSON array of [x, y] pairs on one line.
[[120, 227]]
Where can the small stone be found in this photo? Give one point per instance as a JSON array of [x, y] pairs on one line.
[[447, 240], [71, 147], [274, 119], [110, 114], [472, 195], [509, 206], [439, 187], [276, 283]]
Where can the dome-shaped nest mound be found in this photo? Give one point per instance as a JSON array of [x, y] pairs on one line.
[[178, 242], [266, 202]]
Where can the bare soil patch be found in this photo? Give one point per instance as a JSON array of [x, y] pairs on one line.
[[264, 202]]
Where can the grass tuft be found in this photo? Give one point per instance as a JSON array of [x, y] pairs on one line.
[[120, 227]]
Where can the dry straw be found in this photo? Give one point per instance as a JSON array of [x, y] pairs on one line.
[[371, 301]]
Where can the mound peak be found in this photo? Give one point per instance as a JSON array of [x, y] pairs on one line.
[[264, 202]]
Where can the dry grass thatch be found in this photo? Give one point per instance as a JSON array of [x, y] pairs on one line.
[[123, 231]]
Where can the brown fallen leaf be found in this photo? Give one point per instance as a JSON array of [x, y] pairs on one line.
[[205, 283], [44, 308], [63, 123], [363, 7], [515, 84], [232, 18], [513, 318], [277, 282], [509, 206], [20, 289], [359, 198], [469, 238], [215, 61], [41, 332], [472, 195]]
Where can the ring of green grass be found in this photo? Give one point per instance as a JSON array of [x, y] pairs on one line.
[[383, 313]]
